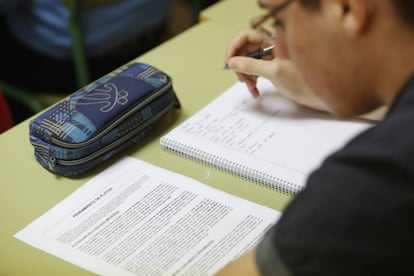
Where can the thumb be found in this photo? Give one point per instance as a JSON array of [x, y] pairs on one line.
[[251, 66]]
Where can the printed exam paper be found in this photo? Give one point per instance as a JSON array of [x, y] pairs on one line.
[[138, 219]]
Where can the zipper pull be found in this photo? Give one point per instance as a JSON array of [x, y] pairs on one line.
[[52, 163]]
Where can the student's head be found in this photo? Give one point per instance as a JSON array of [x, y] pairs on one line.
[[353, 53]]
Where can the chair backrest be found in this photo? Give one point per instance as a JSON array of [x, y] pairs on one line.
[[35, 100], [78, 47], [6, 120]]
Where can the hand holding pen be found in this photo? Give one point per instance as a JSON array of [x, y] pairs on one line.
[[275, 65], [243, 58], [258, 54], [262, 53]]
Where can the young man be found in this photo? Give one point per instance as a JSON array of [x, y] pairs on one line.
[[354, 217]]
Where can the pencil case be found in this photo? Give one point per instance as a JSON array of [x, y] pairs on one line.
[[102, 119]]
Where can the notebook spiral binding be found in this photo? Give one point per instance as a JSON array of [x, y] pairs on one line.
[[230, 167]]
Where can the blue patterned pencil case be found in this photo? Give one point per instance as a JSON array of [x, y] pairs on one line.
[[102, 119]]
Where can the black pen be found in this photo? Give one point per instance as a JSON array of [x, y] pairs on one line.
[[262, 53], [258, 54]]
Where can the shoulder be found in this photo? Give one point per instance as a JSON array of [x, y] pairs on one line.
[[389, 143], [356, 209]]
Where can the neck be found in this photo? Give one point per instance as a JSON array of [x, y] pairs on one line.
[[391, 56]]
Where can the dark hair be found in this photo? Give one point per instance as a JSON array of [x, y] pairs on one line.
[[405, 8]]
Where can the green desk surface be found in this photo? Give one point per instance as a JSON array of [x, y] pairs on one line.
[[194, 59], [232, 13]]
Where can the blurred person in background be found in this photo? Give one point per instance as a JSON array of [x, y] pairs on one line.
[[36, 45]]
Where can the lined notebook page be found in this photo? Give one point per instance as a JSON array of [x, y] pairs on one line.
[[269, 140]]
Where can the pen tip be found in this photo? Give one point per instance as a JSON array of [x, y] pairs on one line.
[[226, 67]]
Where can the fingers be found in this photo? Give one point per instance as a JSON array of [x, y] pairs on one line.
[[253, 67], [248, 69], [246, 41], [250, 82]]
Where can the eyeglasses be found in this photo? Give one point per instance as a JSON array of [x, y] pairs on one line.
[[259, 22]]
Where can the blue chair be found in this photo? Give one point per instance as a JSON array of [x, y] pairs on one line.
[[36, 101]]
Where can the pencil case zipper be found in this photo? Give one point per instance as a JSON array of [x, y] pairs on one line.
[[113, 145]]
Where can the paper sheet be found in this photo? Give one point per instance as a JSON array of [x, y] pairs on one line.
[[138, 219], [270, 139]]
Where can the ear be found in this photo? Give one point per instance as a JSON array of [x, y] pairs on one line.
[[353, 16]]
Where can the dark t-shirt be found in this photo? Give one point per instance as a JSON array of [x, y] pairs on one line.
[[356, 214]]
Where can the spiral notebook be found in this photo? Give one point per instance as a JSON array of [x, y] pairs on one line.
[[269, 140]]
